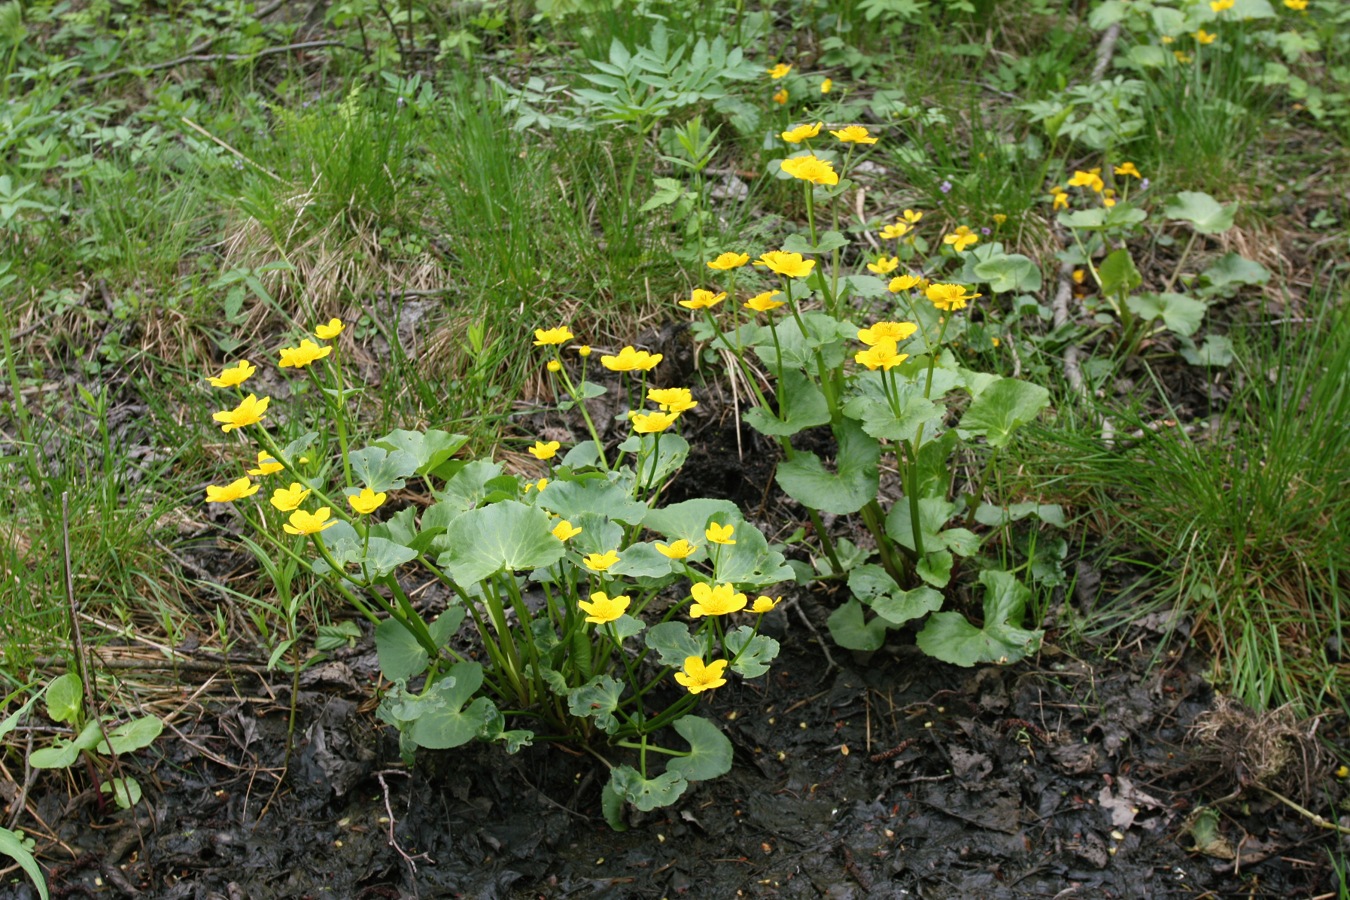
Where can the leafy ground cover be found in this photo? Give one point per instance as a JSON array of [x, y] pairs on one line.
[[1008, 336]]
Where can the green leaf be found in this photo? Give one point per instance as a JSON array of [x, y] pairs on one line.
[[380, 470], [996, 516], [800, 243], [428, 449], [899, 607], [1002, 271], [850, 631], [598, 697], [1206, 215], [437, 718], [13, 845], [1118, 272], [1179, 313], [688, 520], [878, 417], [823, 341], [951, 638], [668, 191], [801, 405], [671, 451], [1083, 218], [65, 698], [611, 804], [582, 456], [805, 479], [933, 515], [373, 558], [62, 754], [751, 652], [935, 568], [673, 643], [1217, 350], [1001, 408], [647, 794], [1231, 271], [126, 791], [131, 736], [401, 656], [642, 560], [466, 489], [625, 626], [571, 497], [507, 535], [867, 286], [709, 750]]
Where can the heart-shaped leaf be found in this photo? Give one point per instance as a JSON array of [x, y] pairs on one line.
[[1206, 215], [951, 638], [1001, 408], [751, 653], [1179, 313], [801, 405], [427, 448], [805, 479], [709, 750], [504, 536], [380, 470], [850, 631]]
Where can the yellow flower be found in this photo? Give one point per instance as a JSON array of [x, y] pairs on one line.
[[1204, 37], [790, 265], [912, 217], [231, 377], [1108, 198], [961, 238], [1000, 218], [287, 499], [302, 522], [565, 530], [896, 231], [903, 283], [801, 133], [1078, 276], [367, 501], [537, 486], [266, 464], [886, 331], [884, 265], [1092, 178], [715, 601], [603, 608], [949, 297], [1182, 58], [728, 261], [1221, 5], [881, 355], [854, 134], [719, 534], [765, 604], [827, 85], [701, 299], [676, 400], [1298, 5], [781, 96], [681, 549], [547, 336], [1341, 771], [699, 678], [249, 412], [544, 449], [235, 490], [779, 71], [1061, 200], [329, 331], [584, 351], [299, 357], [764, 302], [1167, 39], [1127, 168], [810, 168], [650, 423], [630, 360], [553, 366], [599, 562]]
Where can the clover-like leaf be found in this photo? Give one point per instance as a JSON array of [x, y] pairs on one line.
[[801, 405], [504, 536], [751, 653], [380, 470], [1206, 215], [850, 631], [647, 793], [805, 479], [709, 750], [673, 643], [1179, 313], [598, 697], [1001, 409], [427, 448], [951, 638]]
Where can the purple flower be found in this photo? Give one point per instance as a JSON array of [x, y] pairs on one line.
[[945, 187], [986, 232], [1143, 185]]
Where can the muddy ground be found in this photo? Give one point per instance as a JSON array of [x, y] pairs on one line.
[[889, 776]]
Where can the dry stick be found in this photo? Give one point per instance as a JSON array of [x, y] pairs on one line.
[[393, 841]]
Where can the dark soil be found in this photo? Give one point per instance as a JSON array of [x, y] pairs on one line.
[[885, 777]]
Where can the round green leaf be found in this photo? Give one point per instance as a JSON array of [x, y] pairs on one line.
[[709, 750], [507, 535]]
